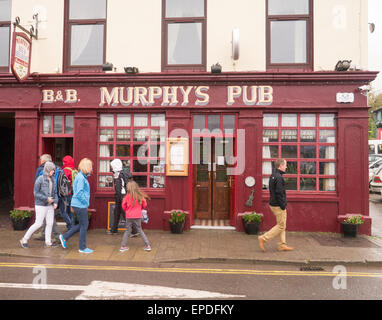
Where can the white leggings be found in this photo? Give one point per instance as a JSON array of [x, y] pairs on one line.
[[42, 212]]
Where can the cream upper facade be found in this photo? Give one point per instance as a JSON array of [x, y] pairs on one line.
[[134, 34]]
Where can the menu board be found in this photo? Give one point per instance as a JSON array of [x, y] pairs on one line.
[[177, 157]]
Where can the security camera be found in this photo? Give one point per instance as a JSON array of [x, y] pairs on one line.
[[364, 88]]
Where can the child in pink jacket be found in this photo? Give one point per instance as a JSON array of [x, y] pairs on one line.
[[132, 204]]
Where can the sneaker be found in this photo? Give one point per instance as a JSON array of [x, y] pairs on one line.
[[86, 250], [123, 249], [63, 241], [147, 248], [52, 245], [24, 244]]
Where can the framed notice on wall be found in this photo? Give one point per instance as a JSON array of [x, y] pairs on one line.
[[177, 157]]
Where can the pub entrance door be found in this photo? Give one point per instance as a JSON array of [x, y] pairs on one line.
[[213, 196]]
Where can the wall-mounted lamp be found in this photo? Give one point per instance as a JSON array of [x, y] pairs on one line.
[[364, 90], [342, 65], [107, 66], [216, 68], [131, 70]]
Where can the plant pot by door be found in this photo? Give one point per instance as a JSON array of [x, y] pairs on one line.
[[251, 227], [176, 227], [20, 224], [349, 229]]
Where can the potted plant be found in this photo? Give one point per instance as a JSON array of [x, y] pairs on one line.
[[177, 220], [20, 218], [350, 225], [251, 222]]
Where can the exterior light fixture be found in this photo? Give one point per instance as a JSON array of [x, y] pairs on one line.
[[131, 70], [107, 66], [216, 68], [342, 65]]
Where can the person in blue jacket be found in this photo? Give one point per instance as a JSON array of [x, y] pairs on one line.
[[80, 204]]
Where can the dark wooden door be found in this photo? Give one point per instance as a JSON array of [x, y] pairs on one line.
[[212, 185]]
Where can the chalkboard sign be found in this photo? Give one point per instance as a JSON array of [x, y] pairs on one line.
[[110, 217]]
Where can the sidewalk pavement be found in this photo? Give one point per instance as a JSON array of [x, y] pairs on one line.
[[223, 246]]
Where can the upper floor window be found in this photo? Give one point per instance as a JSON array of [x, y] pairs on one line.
[[5, 31], [289, 34], [85, 34], [184, 37]]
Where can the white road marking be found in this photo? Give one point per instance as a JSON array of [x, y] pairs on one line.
[[118, 290]]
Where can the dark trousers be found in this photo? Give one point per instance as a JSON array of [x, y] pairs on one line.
[[117, 216]]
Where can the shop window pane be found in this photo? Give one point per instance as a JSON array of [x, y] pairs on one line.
[[141, 181], [123, 120], [327, 152], [140, 120], [4, 45], [265, 185], [122, 150], [123, 135], [328, 168], [289, 135], [199, 122], [371, 149], [106, 135], [126, 164], [308, 168], [87, 9], [57, 126], [141, 135], [327, 120], [308, 120], [228, 122], [140, 165], [104, 166], [184, 43], [270, 135], [46, 124], [105, 181], [69, 124], [270, 152], [271, 120], [157, 166], [158, 120], [184, 8], [289, 120], [328, 136], [5, 10], [157, 150], [327, 184], [290, 183], [157, 135], [307, 184], [140, 150], [308, 135], [87, 45], [106, 120], [213, 123], [291, 167], [157, 182], [106, 150], [307, 152], [290, 7], [288, 152], [267, 167]]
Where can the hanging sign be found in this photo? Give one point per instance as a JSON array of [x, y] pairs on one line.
[[21, 56]]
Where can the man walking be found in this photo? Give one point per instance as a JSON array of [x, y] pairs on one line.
[[277, 204]]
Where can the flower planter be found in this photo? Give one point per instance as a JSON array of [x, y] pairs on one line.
[[176, 227], [349, 229], [251, 227], [20, 224]]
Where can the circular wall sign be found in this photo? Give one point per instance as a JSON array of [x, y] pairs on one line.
[[249, 181]]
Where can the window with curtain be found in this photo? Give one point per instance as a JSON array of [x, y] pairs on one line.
[[85, 27], [308, 143], [5, 31], [184, 23], [289, 34], [139, 141]]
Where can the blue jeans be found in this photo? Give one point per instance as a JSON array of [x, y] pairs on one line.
[[65, 211], [82, 214]]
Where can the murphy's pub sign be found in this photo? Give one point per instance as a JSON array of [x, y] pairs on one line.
[[171, 96]]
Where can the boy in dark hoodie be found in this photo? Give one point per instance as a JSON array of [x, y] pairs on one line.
[[64, 204]]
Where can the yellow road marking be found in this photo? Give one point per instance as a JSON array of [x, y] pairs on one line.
[[192, 270]]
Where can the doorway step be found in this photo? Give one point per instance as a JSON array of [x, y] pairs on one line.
[[212, 224]]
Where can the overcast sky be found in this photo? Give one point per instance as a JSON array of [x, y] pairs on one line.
[[375, 42]]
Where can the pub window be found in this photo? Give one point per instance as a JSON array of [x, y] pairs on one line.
[[308, 143], [184, 40], [85, 34], [5, 31], [139, 141], [289, 34], [58, 124]]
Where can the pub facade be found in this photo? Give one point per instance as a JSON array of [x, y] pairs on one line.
[[198, 140]]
